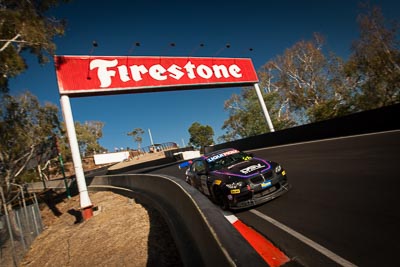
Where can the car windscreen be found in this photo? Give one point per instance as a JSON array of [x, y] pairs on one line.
[[227, 161]]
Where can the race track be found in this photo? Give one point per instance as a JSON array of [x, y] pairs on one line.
[[343, 208]]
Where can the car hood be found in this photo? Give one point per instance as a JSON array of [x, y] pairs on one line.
[[246, 169]]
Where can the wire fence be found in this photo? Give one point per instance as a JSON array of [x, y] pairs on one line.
[[158, 147], [19, 226]]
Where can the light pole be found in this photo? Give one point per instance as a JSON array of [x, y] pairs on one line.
[[151, 139]]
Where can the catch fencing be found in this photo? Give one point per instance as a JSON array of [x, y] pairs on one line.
[[20, 224]]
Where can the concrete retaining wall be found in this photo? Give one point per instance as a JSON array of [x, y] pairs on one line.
[[203, 235], [377, 120]]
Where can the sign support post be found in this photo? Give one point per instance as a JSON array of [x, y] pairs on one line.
[[86, 204], [89, 75], [264, 108]]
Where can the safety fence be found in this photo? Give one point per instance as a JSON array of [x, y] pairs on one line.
[[20, 224], [158, 147]]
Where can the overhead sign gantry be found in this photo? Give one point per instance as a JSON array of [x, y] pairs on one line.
[[80, 76]]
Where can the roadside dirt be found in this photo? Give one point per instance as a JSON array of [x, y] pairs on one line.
[[122, 232]]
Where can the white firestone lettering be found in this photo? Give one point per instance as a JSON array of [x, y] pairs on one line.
[[220, 68], [137, 72], [234, 70], [103, 74], [204, 71], [123, 73], [157, 72], [175, 72], [189, 68]]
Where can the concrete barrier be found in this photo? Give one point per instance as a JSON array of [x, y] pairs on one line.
[[376, 120], [203, 235]]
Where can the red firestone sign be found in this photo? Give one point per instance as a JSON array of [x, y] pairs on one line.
[[91, 75]]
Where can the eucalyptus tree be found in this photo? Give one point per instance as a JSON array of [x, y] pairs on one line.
[[137, 136], [246, 117], [88, 135], [200, 135], [374, 65], [310, 82], [26, 134], [26, 27]]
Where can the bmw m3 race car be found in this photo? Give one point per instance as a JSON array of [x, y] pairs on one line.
[[234, 179]]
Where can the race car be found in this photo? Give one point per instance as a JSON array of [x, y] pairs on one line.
[[234, 179]]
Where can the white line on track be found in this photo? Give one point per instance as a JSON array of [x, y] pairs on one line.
[[336, 258]]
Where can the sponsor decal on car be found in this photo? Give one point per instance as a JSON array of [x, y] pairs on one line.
[[266, 184], [218, 156], [252, 168], [217, 182], [235, 191]]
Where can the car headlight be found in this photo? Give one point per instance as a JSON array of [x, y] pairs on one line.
[[235, 185], [278, 169]]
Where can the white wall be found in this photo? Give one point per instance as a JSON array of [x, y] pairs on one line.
[[100, 159]]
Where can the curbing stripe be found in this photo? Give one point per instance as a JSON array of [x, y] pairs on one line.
[[271, 254]]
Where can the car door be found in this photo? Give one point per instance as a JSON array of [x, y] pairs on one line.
[[199, 170]]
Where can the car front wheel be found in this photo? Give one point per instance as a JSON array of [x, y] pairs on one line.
[[221, 199]]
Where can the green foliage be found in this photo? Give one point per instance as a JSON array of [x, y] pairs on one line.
[[25, 27], [137, 136], [374, 65], [26, 130], [246, 117], [300, 86], [309, 81], [200, 135], [88, 135], [306, 85]]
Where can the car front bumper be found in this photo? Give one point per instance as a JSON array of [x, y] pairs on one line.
[[261, 197]]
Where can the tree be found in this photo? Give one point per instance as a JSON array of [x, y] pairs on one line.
[[311, 85], [246, 117], [26, 131], [374, 65], [200, 135], [25, 27], [137, 136], [88, 135], [303, 85]]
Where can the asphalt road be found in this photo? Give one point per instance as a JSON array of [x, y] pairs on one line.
[[343, 208]]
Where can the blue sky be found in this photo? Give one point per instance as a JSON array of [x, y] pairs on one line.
[[268, 27]]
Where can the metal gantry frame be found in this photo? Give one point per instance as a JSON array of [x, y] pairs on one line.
[[86, 204]]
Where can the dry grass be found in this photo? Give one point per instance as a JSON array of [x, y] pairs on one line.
[[122, 233]]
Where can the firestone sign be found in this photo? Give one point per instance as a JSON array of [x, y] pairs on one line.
[[94, 75], [87, 75]]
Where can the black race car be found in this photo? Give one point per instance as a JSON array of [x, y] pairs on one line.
[[234, 179]]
